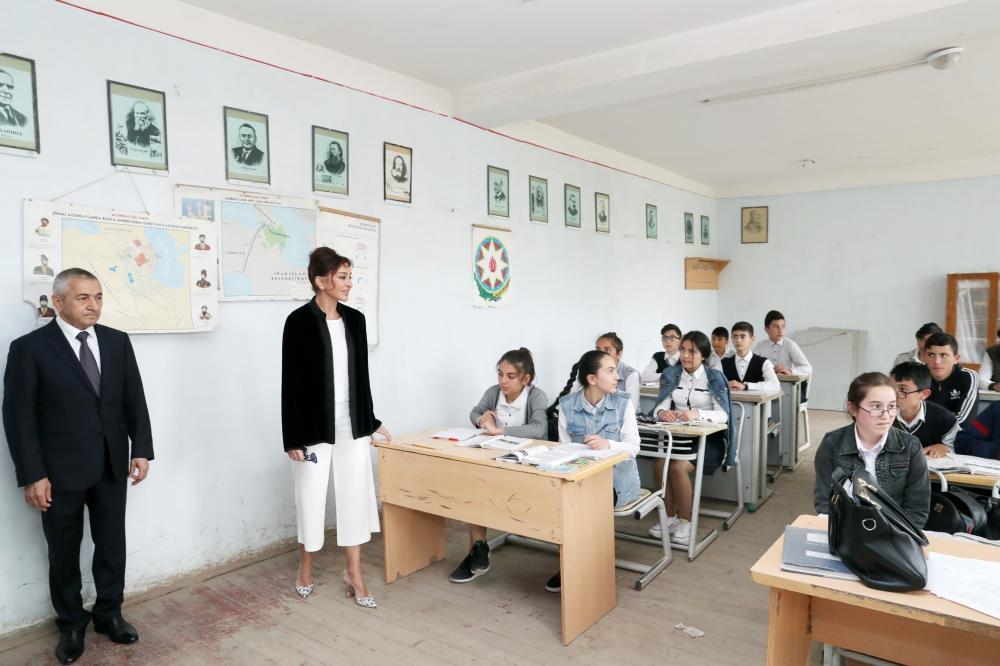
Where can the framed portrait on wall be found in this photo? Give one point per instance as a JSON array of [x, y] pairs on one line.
[[571, 204], [538, 199], [753, 224], [651, 222], [602, 213], [18, 103], [497, 191], [330, 160], [397, 172], [705, 238], [137, 126], [689, 228], [248, 152]]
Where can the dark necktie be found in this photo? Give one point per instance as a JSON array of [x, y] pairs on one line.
[[88, 362], [9, 114]]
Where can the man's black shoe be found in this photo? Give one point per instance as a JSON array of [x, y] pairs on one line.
[[475, 564], [70, 646], [118, 630], [554, 584]]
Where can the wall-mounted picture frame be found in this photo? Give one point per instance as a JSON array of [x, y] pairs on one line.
[[571, 205], [651, 221], [497, 191], [689, 228], [397, 172], [137, 126], [705, 237], [602, 213], [538, 199], [248, 151], [330, 160], [18, 104], [753, 224]]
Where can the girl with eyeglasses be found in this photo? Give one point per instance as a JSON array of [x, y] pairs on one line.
[[670, 338], [895, 458]]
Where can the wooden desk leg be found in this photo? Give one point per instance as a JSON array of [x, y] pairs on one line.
[[587, 555], [788, 633], [412, 540]]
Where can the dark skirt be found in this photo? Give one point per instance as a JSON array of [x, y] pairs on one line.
[[715, 451]]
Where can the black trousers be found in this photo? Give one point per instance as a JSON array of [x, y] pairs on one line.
[[63, 526]]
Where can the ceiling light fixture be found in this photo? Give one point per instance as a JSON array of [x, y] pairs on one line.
[[940, 59]]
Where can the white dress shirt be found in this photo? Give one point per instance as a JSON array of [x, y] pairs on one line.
[[985, 372], [869, 455], [715, 361], [692, 393], [341, 379], [784, 352], [770, 383], [512, 414], [628, 441], [71, 332], [650, 375]]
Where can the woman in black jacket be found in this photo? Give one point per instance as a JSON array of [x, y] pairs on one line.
[[327, 420]]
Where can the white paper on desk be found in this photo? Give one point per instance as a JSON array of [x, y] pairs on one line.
[[583, 451], [979, 465], [972, 583], [457, 434]]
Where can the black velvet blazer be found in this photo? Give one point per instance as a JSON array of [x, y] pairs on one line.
[[307, 400]]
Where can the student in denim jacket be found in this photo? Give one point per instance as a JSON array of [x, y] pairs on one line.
[[895, 458], [602, 417]]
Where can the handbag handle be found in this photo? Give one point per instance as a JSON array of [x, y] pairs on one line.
[[864, 488]]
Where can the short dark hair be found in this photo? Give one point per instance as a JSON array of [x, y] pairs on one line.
[[858, 389], [700, 341], [942, 339], [743, 326], [323, 261], [771, 317], [928, 329], [247, 125], [918, 373], [671, 327], [720, 332]]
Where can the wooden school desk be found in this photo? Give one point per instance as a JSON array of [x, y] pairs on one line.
[[656, 435], [787, 455], [909, 628], [986, 398], [423, 480]]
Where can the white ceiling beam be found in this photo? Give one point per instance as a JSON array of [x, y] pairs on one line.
[[688, 60]]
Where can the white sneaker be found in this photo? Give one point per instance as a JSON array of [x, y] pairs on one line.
[[682, 533], [657, 533]]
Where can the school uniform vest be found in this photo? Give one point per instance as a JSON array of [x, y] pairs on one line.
[[755, 369], [661, 361], [624, 372], [584, 419], [994, 354]]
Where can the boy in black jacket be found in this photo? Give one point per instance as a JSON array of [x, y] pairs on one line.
[[929, 422], [953, 387]]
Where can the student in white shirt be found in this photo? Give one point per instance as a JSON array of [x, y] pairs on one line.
[[628, 377], [670, 338], [989, 369], [720, 347], [513, 406], [917, 355], [786, 356], [693, 391], [744, 370]]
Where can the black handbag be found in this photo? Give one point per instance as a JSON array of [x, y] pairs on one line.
[[956, 511], [873, 536]]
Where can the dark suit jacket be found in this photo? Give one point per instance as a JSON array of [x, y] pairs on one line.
[[19, 118], [57, 426], [307, 399], [255, 157]]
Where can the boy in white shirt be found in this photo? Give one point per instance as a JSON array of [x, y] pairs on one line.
[[744, 370], [786, 356], [670, 338]]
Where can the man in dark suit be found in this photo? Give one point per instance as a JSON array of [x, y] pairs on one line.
[[248, 153], [73, 399], [8, 114]]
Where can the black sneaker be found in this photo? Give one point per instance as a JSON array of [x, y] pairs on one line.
[[475, 564], [554, 584]]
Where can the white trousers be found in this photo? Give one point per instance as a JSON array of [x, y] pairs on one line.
[[353, 488]]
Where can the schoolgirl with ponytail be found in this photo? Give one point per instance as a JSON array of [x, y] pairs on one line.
[[601, 416], [513, 406]]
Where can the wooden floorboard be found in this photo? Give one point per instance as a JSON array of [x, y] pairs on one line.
[[251, 615]]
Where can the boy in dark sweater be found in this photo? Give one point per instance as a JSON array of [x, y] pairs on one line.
[[980, 436], [929, 422], [953, 387]]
